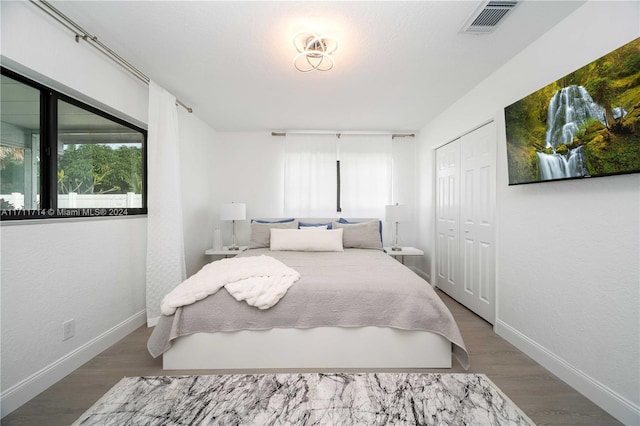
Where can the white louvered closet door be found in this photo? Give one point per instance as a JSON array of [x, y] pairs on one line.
[[465, 247]]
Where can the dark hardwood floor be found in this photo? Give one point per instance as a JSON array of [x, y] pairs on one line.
[[544, 398]]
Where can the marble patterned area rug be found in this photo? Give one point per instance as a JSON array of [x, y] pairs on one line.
[[306, 399]]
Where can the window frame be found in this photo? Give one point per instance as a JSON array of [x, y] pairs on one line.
[[48, 208]]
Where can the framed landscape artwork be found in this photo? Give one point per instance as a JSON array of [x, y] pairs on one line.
[[586, 124]]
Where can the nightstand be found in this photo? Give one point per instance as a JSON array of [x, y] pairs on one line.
[[225, 251], [406, 251]]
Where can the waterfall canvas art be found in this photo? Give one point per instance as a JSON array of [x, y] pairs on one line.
[[585, 124]]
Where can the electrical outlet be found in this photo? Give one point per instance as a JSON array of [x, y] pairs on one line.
[[68, 329]]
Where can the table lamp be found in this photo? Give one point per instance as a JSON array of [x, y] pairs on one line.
[[233, 212], [396, 213]]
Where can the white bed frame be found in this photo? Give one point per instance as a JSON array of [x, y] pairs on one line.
[[313, 348]]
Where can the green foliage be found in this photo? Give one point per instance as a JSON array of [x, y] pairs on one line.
[[526, 120], [606, 154], [600, 89], [562, 149], [590, 126], [12, 176], [12, 169], [628, 58], [630, 66], [100, 169], [523, 164], [612, 150]]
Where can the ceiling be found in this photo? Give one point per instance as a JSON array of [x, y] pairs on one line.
[[398, 63]]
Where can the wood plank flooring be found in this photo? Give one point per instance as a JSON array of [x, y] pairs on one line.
[[544, 398]]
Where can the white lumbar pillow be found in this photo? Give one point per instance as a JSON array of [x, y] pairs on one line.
[[299, 240]]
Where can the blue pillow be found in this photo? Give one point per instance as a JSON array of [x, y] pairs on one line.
[[272, 221], [308, 224], [343, 220]]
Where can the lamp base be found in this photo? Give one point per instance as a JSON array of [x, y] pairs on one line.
[[396, 248]]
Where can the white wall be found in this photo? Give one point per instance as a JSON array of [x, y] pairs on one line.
[[89, 270], [252, 171], [92, 270], [568, 252], [405, 191], [201, 155], [33, 40]]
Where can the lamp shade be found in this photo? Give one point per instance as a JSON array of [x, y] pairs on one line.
[[233, 211], [396, 213]]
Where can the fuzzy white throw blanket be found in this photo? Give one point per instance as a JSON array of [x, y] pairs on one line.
[[260, 280]]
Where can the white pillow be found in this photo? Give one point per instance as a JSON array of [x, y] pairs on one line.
[[299, 240], [313, 228]]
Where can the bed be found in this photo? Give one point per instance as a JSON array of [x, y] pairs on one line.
[[356, 308]]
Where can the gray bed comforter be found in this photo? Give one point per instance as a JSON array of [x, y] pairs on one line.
[[354, 288]]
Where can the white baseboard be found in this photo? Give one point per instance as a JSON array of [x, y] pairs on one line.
[[619, 407], [27, 389], [421, 273]]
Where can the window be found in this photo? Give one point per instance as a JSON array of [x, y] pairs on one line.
[[365, 174], [62, 158], [19, 146], [325, 175], [99, 161], [310, 175]]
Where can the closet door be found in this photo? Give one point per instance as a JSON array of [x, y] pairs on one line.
[[447, 218], [465, 211], [477, 211]]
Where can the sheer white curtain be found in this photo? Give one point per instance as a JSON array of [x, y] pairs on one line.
[[365, 165], [165, 243], [310, 176]]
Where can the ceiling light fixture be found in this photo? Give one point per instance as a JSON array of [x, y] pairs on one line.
[[314, 52]]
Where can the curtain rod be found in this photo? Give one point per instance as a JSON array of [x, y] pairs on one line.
[[83, 34], [338, 134]]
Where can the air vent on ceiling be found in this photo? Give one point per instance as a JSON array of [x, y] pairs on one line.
[[486, 18]]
